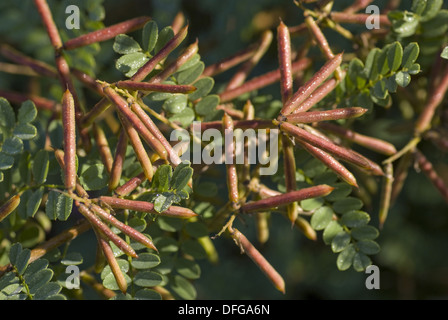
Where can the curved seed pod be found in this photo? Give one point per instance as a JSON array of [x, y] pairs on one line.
[[262, 81], [333, 149], [106, 33], [331, 163], [101, 226], [432, 175], [321, 92], [284, 57], [371, 143], [50, 26], [130, 185], [131, 232], [286, 198], [112, 261], [149, 66], [69, 126], [232, 177], [143, 206], [255, 255], [9, 206], [138, 147], [318, 78], [306, 228], [319, 37], [155, 87], [289, 164], [103, 147], [316, 116], [117, 165], [262, 225], [386, 193]]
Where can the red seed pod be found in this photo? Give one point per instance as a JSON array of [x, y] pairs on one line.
[[286, 198], [117, 165], [317, 116], [69, 126], [9, 206], [232, 176], [156, 87], [248, 248]]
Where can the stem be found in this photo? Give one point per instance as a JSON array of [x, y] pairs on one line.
[[386, 193]]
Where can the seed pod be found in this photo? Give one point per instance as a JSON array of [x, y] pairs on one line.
[[359, 18], [388, 180], [9, 206], [262, 226], [284, 57], [317, 116], [318, 78], [106, 33], [59, 155], [112, 261], [289, 164], [319, 37], [331, 163], [286, 198], [50, 26], [262, 81], [248, 248], [232, 177], [131, 232], [138, 147], [306, 228], [131, 185], [155, 87], [371, 143], [333, 149], [117, 165], [101, 226], [103, 147], [149, 66], [69, 126], [426, 166], [144, 206]]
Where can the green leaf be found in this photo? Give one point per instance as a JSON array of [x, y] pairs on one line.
[[414, 69], [341, 191], [330, 231], [194, 248], [162, 178], [321, 218], [72, 259], [403, 79], [147, 279], [340, 241], [189, 75], [444, 53], [47, 291], [165, 35], [311, 204], [39, 279], [181, 177], [188, 268], [110, 283], [176, 103], [150, 34], [190, 63], [36, 266], [207, 105], [94, 177], [27, 112], [379, 90], [19, 257], [364, 233], [345, 258], [166, 245], [25, 131], [183, 288], [125, 44], [355, 218], [347, 204], [58, 206], [164, 201], [40, 166], [130, 63], [7, 115], [146, 261], [12, 146], [394, 56], [33, 203], [147, 294], [371, 68], [361, 261], [368, 247], [6, 161], [203, 87], [184, 118], [431, 9], [124, 267], [410, 55], [406, 26]]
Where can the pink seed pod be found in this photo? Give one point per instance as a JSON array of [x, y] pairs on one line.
[[248, 248], [117, 165], [69, 126], [9, 206], [232, 176], [317, 116]]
